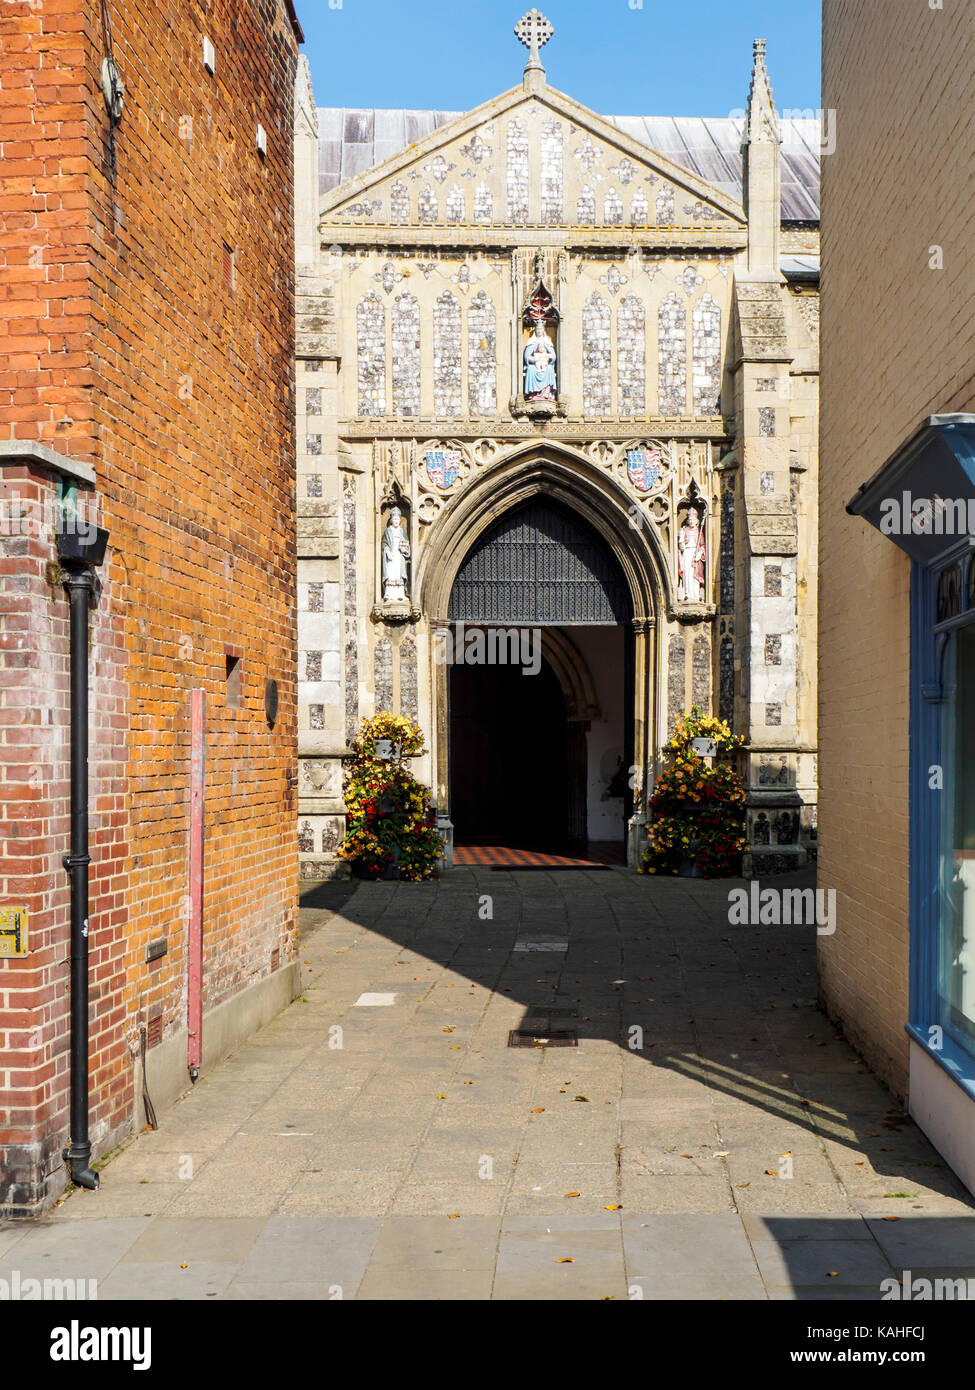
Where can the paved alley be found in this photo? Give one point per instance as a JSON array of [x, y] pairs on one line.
[[709, 1136]]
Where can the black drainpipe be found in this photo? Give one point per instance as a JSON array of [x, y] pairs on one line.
[[79, 550]]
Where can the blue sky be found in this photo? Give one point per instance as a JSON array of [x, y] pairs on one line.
[[620, 57]]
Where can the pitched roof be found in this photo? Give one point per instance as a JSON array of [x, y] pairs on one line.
[[353, 141]]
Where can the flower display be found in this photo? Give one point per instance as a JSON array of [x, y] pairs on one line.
[[697, 809], [390, 818]]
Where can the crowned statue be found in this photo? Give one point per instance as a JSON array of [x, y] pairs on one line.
[[540, 382], [691, 557], [395, 559]]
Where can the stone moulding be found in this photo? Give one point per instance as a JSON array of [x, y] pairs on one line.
[[686, 612], [396, 612], [521, 408]]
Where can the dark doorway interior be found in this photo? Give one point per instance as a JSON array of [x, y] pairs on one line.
[[508, 757]]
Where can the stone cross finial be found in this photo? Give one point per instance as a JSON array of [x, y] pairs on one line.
[[534, 31]]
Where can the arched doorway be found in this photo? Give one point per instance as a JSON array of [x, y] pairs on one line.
[[573, 480], [540, 610], [507, 733]]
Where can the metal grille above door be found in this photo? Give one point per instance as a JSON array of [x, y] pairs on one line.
[[540, 565]]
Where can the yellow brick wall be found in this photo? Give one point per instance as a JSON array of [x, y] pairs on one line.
[[898, 344]]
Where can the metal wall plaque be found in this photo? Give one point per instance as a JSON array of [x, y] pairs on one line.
[[704, 747], [13, 931]]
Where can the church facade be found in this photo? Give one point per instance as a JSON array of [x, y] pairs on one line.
[[557, 434]]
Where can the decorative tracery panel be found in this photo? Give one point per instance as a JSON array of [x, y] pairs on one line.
[[517, 172], [370, 323], [596, 356], [706, 355], [631, 356], [446, 356], [406, 355], [672, 355], [552, 181], [482, 369]]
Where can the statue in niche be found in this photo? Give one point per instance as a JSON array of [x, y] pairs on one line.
[[692, 556], [395, 559], [540, 360]]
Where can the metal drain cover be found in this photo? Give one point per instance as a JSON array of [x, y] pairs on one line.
[[525, 1037]]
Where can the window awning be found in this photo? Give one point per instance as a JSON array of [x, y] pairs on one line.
[[923, 498]]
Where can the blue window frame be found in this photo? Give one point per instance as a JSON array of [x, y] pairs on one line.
[[942, 873]]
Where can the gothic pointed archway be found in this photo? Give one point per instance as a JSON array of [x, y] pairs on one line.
[[545, 541]]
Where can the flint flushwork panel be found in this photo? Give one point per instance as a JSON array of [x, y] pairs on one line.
[[676, 680], [427, 210], [672, 355], [726, 680], [446, 356], [552, 173], [370, 322], [406, 355], [384, 676], [706, 344], [727, 560], [596, 351], [665, 207], [399, 203], [631, 355], [408, 696], [482, 371], [586, 207], [701, 674], [483, 206], [517, 172]]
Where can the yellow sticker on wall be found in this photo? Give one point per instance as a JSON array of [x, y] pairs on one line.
[[13, 931]]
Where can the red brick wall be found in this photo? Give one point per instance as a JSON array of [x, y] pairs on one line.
[[127, 346], [898, 344]]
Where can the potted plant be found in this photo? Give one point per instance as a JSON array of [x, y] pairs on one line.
[[697, 809], [391, 828]]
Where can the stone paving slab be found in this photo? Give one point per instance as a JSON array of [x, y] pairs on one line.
[[425, 1160]]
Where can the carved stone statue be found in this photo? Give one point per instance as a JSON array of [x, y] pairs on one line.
[[540, 382], [395, 559], [691, 557]]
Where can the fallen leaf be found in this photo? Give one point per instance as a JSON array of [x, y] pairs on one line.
[[184, 1266], [832, 1274], [573, 1194], [742, 1184], [580, 1098], [721, 1153], [566, 1260], [687, 1155], [539, 1110], [441, 1097], [614, 1206], [453, 1215], [446, 1030], [891, 1218]]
